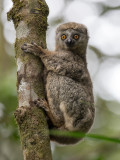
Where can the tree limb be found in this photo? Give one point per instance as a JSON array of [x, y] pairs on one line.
[[30, 20]]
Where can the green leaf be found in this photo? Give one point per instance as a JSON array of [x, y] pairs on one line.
[[82, 135]]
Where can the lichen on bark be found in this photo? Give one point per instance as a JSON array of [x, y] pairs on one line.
[[30, 21]]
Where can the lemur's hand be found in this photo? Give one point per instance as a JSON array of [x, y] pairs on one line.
[[32, 48]]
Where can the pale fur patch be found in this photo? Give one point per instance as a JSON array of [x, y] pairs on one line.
[[68, 119], [88, 116]]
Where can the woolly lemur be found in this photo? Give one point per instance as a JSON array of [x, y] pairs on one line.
[[70, 103]]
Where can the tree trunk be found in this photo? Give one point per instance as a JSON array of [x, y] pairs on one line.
[[30, 20]]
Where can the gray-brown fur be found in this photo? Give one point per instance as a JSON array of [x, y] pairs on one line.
[[68, 84]]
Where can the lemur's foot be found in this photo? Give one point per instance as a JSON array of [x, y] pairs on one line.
[[42, 103]]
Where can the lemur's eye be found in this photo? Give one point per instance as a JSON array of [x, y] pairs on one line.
[[63, 37], [76, 36]]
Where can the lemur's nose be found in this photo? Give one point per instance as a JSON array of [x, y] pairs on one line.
[[69, 42]]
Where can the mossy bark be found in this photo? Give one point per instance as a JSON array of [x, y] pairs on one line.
[[30, 20]]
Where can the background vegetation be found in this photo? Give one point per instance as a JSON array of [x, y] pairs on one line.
[[102, 19]]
